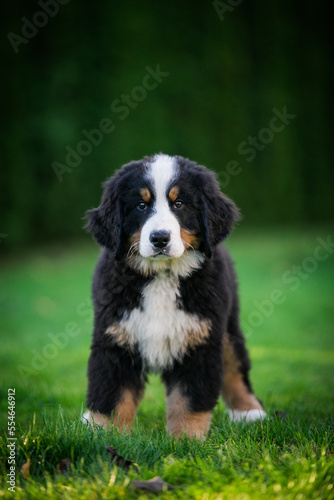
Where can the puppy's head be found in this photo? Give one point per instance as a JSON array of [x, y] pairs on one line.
[[161, 209]]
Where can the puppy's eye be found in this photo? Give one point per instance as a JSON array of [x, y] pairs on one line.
[[141, 205], [178, 203]]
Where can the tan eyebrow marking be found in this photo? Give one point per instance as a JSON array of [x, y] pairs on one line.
[[173, 193], [145, 194]]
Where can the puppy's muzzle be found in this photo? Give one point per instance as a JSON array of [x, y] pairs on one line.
[[160, 241]]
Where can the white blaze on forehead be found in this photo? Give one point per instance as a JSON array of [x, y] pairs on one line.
[[161, 172]]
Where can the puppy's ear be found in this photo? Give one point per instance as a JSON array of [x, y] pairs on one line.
[[105, 223], [217, 215]]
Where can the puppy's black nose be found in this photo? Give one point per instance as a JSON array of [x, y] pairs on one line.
[[160, 239]]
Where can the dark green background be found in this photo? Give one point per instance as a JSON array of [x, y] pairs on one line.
[[225, 77]]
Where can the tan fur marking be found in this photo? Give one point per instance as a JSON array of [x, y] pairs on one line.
[[100, 419], [173, 193], [180, 419], [126, 409], [124, 412], [196, 337], [145, 194], [191, 339], [133, 244], [189, 239], [119, 333], [235, 393]]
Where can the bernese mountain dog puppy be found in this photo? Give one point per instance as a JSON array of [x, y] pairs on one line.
[[165, 298]]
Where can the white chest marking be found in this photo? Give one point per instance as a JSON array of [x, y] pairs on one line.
[[161, 330]]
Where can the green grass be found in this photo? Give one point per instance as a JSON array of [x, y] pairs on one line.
[[293, 366]]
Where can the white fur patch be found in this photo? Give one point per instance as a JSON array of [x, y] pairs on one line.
[[246, 416], [87, 418], [161, 330], [161, 173], [95, 419]]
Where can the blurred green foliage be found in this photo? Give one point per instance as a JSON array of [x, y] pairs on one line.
[[227, 71]]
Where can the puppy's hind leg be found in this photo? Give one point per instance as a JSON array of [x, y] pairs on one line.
[[237, 393]]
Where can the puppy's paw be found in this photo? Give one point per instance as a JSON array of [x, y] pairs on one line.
[[246, 416], [96, 419], [87, 418]]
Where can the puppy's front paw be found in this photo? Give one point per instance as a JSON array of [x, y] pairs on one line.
[[246, 416]]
